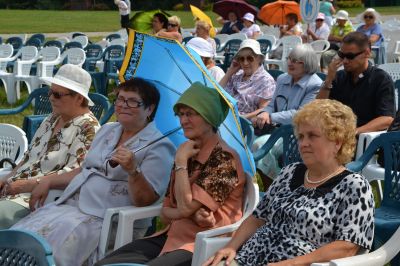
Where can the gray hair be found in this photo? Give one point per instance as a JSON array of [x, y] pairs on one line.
[[306, 54]]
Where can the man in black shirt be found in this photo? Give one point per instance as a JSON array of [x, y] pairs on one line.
[[368, 90]]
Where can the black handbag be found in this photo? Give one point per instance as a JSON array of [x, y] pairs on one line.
[[269, 128]]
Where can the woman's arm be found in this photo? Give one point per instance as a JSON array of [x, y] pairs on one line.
[[335, 250], [172, 35], [245, 231], [373, 38], [233, 68], [261, 105]]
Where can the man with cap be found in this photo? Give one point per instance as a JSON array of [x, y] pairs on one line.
[[318, 30], [251, 29], [58, 147], [341, 28], [367, 89], [204, 49], [247, 80], [206, 187]]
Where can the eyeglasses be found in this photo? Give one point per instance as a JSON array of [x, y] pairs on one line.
[[319, 20], [294, 61], [368, 17], [58, 95], [349, 56], [172, 25], [131, 103], [249, 59], [189, 115]]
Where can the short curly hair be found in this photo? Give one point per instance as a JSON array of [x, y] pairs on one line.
[[337, 122]]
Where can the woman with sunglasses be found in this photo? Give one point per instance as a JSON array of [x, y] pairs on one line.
[[123, 167], [247, 81], [173, 30], [206, 187], [294, 89], [373, 30], [55, 150]]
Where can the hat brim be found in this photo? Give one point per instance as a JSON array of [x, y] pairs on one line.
[[52, 80]]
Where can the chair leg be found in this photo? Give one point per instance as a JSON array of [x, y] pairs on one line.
[[9, 85]]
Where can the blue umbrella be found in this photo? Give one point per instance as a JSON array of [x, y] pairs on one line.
[[172, 68]]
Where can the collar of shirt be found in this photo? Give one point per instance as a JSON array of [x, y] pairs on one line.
[[302, 83]]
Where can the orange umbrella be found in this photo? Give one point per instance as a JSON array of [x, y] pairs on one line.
[[274, 13]]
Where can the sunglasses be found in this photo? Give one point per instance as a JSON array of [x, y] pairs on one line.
[[172, 25], [58, 95], [294, 61], [349, 56], [249, 59], [368, 17], [319, 20]]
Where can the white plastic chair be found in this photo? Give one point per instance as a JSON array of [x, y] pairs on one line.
[[128, 215], [288, 43], [82, 39], [379, 257], [6, 51], [118, 42], [22, 69], [13, 145], [393, 69], [270, 38], [319, 47], [238, 36], [63, 40], [26, 53], [103, 43]]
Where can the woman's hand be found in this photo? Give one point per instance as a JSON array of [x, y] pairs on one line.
[[204, 218], [261, 119], [39, 194], [233, 68], [125, 158], [185, 151], [227, 254]]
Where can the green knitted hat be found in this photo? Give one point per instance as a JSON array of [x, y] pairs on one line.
[[205, 101]]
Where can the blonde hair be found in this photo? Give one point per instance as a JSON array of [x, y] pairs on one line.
[[202, 24], [337, 122], [175, 19]]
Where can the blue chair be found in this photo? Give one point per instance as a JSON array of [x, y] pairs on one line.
[[321, 75], [94, 53], [70, 45], [290, 148], [16, 43], [34, 42], [248, 131], [186, 39], [55, 43], [113, 36], [265, 46], [275, 73], [387, 216], [230, 48], [18, 247]]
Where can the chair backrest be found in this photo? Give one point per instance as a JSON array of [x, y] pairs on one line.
[[247, 130], [13, 142], [75, 56], [238, 36], [269, 37], [118, 42], [77, 33], [265, 46], [94, 53], [113, 56], [16, 42], [82, 39], [6, 51], [19, 247], [393, 69], [29, 55], [321, 75], [39, 36], [320, 46], [72, 44], [113, 36], [103, 44], [290, 148], [101, 106], [34, 42], [55, 43], [222, 39], [48, 54], [231, 48], [288, 43], [390, 143], [63, 40], [275, 73]]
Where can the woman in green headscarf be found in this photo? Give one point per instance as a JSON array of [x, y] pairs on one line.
[[206, 187]]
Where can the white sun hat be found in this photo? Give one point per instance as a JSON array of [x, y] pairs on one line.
[[201, 46], [74, 78], [342, 14], [254, 45], [249, 17]]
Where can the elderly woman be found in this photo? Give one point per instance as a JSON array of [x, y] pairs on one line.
[[373, 30], [206, 52], [203, 31], [233, 25], [293, 90], [251, 29], [206, 185], [173, 30], [247, 81], [121, 169], [341, 28], [58, 147], [314, 211]]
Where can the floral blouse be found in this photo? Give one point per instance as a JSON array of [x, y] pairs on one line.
[[61, 152]]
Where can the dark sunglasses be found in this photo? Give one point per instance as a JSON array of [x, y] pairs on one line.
[[172, 25], [368, 17], [349, 56], [319, 20], [58, 95], [249, 59]]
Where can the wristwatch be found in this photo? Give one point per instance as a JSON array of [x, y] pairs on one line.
[[180, 167]]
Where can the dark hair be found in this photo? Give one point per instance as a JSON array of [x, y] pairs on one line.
[[358, 38], [147, 91], [162, 18], [292, 16]]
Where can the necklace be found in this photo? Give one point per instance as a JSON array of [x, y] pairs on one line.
[[337, 171]]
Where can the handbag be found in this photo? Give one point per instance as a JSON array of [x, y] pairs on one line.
[[269, 128]]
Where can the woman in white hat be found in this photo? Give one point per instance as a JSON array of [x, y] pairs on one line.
[[247, 81], [251, 29], [206, 52], [128, 164], [58, 147]]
